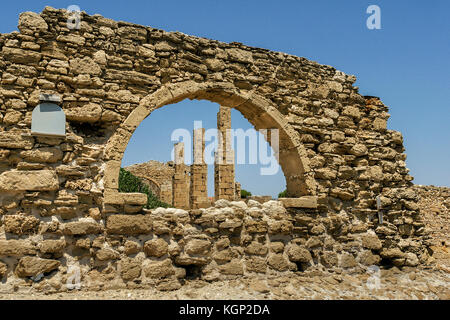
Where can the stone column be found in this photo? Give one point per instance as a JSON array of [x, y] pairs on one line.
[[199, 173], [224, 185], [180, 180]]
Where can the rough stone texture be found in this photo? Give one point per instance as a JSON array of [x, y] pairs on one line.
[[82, 228], [224, 170], [20, 225], [30, 21], [33, 266], [156, 248], [131, 269], [158, 176], [303, 202], [123, 224], [16, 248], [3, 270], [44, 180]]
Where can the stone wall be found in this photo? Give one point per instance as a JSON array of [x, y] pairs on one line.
[[165, 246], [59, 198], [157, 175]]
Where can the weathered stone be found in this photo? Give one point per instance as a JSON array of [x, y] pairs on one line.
[[132, 247], [15, 140], [125, 224], [12, 117], [39, 180], [347, 260], [367, 258], [358, 150], [329, 259], [16, 248], [256, 248], [256, 264], [298, 254], [235, 267], [106, 254], [21, 56], [90, 112], [198, 246], [82, 228], [46, 155], [156, 248], [30, 21], [33, 266], [52, 246], [130, 269], [371, 241], [392, 253], [159, 269], [19, 224], [278, 262], [3, 270], [95, 213], [277, 246], [302, 202], [168, 285], [85, 66]]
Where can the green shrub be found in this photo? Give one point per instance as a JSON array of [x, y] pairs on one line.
[[245, 194], [129, 183], [283, 194]]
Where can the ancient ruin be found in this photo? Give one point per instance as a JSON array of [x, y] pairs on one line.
[[61, 212]]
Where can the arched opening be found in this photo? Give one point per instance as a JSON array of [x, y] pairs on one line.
[[148, 154], [258, 111]]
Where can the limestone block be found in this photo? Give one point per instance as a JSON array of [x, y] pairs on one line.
[[156, 248], [106, 254], [198, 246], [298, 253], [256, 248], [278, 262], [30, 21], [19, 224], [235, 267], [72, 38], [3, 270], [127, 224], [90, 112], [256, 264], [33, 266], [82, 228], [15, 140], [347, 260], [21, 56], [16, 248], [39, 180], [47, 155], [159, 269], [302, 202]]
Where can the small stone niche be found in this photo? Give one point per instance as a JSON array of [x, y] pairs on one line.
[[48, 119]]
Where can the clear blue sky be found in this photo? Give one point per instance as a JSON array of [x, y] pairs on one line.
[[406, 63]]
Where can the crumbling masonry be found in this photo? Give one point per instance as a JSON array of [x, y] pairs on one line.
[[59, 202]]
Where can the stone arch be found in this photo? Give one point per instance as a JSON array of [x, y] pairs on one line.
[[257, 110]]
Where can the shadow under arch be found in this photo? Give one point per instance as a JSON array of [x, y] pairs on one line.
[[256, 109]]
